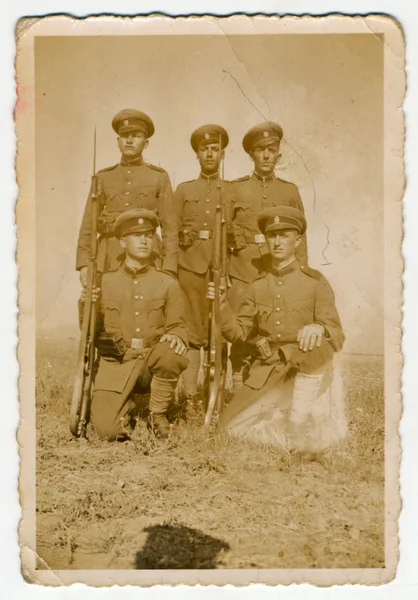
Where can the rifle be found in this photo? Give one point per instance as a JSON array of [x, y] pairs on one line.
[[80, 403], [216, 365]]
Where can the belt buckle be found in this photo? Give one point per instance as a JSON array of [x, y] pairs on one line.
[[204, 235], [259, 238], [137, 344]]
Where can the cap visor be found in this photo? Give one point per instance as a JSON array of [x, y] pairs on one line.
[[130, 128], [266, 142]]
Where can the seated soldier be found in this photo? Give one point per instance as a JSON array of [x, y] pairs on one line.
[[142, 338], [291, 311]]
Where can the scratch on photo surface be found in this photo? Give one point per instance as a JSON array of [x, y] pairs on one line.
[[325, 264]]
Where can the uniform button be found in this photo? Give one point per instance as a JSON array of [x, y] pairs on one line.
[[278, 296], [184, 230], [129, 182], [277, 322], [128, 193], [205, 224], [129, 172], [127, 203], [278, 309], [137, 329], [135, 282], [208, 212], [136, 297], [141, 297], [137, 313], [279, 335], [264, 197], [207, 199], [302, 267], [280, 282]]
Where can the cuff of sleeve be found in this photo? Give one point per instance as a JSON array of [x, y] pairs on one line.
[[326, 332], [81, 261], [170, 265], [287, 351]]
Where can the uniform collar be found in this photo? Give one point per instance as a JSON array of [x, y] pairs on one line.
[[290, 268], [258, 177], [132, 272], [133, 163], [208, 177]]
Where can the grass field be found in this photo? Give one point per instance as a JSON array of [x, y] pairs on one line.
[[203, 503]]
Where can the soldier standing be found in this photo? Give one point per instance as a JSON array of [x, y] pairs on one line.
[[291, 313], [130, 184], [249, 196], [196, 203], [142, 337]]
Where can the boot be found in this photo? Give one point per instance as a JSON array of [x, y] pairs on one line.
[[191, 374], [162, 392]]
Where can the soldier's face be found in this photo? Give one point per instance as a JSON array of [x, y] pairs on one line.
[[138, 245], [209, 156], [265, 158], [132, 144], [282, 244]]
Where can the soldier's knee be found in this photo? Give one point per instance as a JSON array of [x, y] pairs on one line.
[[168, 364], [315, 360], [108, 420]]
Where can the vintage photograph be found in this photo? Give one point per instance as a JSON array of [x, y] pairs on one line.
[[209, 249]]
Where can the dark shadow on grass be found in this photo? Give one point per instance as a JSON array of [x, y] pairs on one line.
[[179, 547]]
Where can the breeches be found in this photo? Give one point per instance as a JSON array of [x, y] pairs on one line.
[[113, 410], [314, 361], [194, 287]]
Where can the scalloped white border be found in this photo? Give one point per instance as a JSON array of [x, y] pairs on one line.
[[391, 298]]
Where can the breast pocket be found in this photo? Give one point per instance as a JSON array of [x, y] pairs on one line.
[[146, 198], [155, 312], [112, 202], [243, 214], [190, 207], [301, 313], [112, 316], [264, 312]]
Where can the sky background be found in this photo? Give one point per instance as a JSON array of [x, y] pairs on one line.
[[326, 91]]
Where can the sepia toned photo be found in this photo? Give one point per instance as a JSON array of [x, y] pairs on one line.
[[209, 251]]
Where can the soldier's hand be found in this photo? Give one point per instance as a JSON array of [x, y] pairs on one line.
[[210, 295], [83, 276], [310, 336], [94, 297], [176, 343]]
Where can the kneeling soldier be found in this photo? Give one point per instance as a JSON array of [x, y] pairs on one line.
[[142, 338], [291, 311]]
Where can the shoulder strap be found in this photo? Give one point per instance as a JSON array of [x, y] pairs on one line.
[[311, 272]]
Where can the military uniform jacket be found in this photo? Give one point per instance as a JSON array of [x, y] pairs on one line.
[[248, 197], [195, 203], [277, 306], [141, 305], [124, 187]]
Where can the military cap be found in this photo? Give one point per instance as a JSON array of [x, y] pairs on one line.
[[209, 134], [138, 220], [130, 119], [262, 135], [281, 217]]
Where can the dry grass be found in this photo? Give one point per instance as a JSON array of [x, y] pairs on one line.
[[206, 503]]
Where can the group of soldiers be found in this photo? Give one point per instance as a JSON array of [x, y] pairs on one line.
[[278, 314]]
